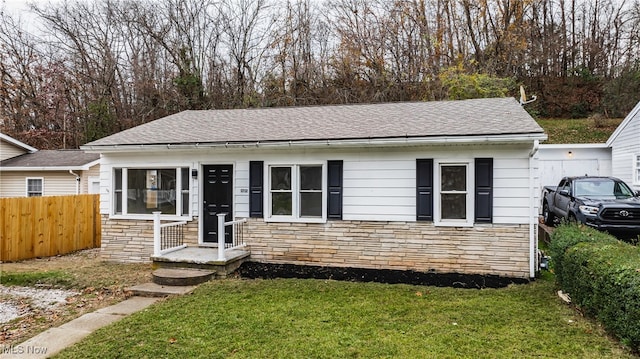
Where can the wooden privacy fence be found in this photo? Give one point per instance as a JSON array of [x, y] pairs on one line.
[[47, 226]]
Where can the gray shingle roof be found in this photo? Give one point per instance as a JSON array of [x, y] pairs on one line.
[[492, 116], [51, 158]]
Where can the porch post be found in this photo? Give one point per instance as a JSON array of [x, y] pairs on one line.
[[221, 256], [156, 234]]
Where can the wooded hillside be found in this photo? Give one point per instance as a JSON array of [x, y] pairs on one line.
[[86, 69]]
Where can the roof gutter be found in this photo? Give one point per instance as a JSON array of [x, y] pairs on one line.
[[40, 168], [84, 167], [363, 142], [533, 215]]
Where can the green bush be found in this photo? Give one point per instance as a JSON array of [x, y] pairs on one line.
[[568, 235], [602, 276]]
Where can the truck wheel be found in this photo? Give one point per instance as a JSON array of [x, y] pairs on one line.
[[548, 216]]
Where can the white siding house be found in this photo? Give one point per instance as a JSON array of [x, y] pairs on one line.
[[625, 149], [443, 187], [25, 171]]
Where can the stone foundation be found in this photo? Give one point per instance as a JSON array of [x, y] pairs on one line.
[[487, 249], [126, 240], [418, 246]]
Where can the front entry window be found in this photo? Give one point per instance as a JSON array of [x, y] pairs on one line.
[[296, 193], [144, 191]]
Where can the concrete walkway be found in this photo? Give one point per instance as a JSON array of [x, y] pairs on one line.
[[54, 340]]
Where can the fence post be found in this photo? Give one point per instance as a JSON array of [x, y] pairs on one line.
[[156, 234], [221, 231]]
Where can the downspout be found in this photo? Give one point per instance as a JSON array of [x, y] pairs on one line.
[[533, 217], [77, 181]]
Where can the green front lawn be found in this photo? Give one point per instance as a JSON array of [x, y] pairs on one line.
[[293, 318]]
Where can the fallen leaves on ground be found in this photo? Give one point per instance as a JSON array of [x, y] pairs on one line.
[[100, 284]]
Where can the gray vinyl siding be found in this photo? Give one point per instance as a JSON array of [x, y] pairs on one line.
[[8, 150]]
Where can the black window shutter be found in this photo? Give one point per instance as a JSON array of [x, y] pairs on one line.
[[484, 190], [256, 179], [424, 189], [334, 190]]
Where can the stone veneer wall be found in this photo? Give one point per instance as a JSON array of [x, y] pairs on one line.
[[126, 240], [419, 246]]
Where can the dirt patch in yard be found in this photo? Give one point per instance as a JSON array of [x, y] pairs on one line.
[[88, 284]]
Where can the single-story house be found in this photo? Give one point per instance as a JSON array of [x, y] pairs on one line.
[[625, 149], [444, 187], [26, 171]]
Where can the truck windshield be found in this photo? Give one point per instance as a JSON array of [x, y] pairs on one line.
[[602, 188]]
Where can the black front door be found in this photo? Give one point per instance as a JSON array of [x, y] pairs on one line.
[[218, 198]]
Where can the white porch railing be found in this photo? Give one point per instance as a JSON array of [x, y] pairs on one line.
[[237, 235], [167, 237]]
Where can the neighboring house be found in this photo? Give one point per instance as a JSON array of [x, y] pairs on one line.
[[26, 172], [443, 187], [10, 147], [625, 149]]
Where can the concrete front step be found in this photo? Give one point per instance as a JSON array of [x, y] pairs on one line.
[[202, 258], [157, 290], [181, 276]]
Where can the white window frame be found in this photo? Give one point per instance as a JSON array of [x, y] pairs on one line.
[[635, 176], [437, 210], [26, 185], [295, 189], [144, 216]]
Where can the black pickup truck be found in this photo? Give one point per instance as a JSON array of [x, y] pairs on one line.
[[605, 203]]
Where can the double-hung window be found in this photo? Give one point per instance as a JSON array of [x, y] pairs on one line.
[[142, 191], [636, 169], [296, 193], [35, 186], [454, 202]]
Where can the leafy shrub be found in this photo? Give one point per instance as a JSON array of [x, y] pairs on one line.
[[602, 275], [568, 235]]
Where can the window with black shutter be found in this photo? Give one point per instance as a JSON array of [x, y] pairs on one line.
[[484, 190], [334, 190], [424, 189], [256, 179]]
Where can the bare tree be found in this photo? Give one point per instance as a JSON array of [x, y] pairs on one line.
[[247, 26], [103, 66]]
